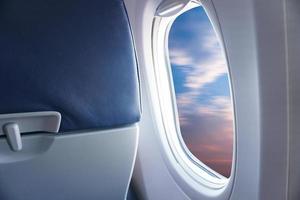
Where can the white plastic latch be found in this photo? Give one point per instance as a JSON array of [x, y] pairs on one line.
[[14, 124], [13, 135]]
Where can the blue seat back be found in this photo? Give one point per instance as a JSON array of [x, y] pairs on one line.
[[72, 56]]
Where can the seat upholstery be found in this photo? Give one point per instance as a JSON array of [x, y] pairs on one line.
[[71, 56]]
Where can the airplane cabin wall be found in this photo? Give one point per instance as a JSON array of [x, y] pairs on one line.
[[293, 39], [254, 35]]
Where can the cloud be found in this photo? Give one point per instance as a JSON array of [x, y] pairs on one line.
[[212, 43], [206, 121], [205, 73], [209, 137], [180, 57], [202, 69], [220, 106]]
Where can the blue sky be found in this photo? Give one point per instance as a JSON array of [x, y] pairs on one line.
[[202, 89]]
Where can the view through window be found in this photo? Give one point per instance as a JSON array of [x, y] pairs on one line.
[[202, 90]]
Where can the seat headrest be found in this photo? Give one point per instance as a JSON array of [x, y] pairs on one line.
[[72, 56]]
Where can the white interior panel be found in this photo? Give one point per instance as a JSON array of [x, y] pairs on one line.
[[84, 165], [254, 37]]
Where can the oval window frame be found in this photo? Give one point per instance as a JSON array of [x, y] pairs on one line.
[[192, 166]]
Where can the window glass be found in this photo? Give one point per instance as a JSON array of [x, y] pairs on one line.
[[202, 90]]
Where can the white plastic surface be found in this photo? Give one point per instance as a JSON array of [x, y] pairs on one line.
[[89, 165], [254, 37], [48, 121], [13, 136]]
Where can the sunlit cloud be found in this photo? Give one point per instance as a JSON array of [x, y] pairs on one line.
[[206, 120], [212, 43], [219, 106], [202, 70], [205, 73], [180, 57], [209, 137]]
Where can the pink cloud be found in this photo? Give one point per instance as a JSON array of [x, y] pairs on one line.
[[207, 127]]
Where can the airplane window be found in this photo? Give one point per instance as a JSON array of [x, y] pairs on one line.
[[202, 88]]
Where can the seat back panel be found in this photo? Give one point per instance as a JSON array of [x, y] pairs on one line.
[[76, 166]]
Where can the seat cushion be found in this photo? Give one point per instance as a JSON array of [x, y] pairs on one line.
[[72, 56]]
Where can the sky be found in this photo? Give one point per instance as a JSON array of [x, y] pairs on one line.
[[202, 89]]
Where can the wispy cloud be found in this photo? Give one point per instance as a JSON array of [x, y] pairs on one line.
[[219, 106], [202, 70], [180, 57], [206, 119]]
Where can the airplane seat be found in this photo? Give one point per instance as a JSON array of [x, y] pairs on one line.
[[70, 102]]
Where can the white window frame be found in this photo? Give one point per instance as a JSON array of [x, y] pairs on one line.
[[194, 168]]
